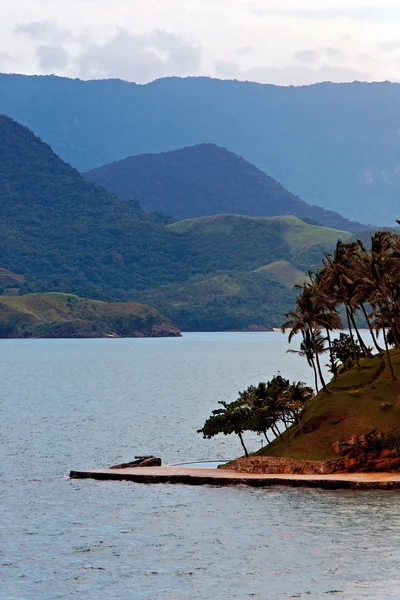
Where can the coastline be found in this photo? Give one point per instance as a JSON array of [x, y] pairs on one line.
[[224, 477]]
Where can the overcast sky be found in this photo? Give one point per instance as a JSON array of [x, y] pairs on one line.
[[270, 41]]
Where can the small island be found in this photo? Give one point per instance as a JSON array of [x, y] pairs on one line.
[[352, 423], [56, 315]]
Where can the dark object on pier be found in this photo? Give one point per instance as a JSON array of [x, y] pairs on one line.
[[141, 461]]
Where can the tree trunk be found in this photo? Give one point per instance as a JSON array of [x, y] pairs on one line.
[[266, 437], [244, 447], [352, 337], [367, 353], [389, 357], [370, 329], [331, 354], [319, 364], [277, 433], [316, 376]]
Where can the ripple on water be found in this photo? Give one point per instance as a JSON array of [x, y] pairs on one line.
[[75, 404]]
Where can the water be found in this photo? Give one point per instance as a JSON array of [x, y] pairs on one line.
[[74, 404]]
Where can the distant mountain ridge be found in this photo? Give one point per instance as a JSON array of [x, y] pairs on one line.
[[333, 145], [205, 180]]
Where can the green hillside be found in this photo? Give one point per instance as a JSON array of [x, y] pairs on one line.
[[361, 402], [63, 315], [250, 242], [71, 234], [206, 180], [284, 273], [61, 233], [223, 301]]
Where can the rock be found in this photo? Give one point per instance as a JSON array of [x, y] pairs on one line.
[[367, 452], [142, 461], [150, 462]]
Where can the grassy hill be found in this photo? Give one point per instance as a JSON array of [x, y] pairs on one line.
[[360, 403], [206, 180], [223, 301], [252, 242], [284, 273], [334, 145], [63, 315]]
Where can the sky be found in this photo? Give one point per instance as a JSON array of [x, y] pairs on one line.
[[268, 41]]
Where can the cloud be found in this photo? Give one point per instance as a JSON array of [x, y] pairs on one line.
[[47, 31], [367, 13], [52, 58], [332, 52], [291, 74], [390, 46], [5, 60], [244, 50], [310, 56], [306, 56], [140, 57]]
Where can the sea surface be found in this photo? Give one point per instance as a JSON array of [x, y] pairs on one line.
[[70, 404]]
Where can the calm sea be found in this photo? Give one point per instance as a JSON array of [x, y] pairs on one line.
[[72, 404]]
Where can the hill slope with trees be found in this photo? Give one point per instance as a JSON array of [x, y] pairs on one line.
[[206, 180], [61, 233], [334, 145]]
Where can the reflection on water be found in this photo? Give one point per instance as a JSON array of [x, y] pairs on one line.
[[75, 404]]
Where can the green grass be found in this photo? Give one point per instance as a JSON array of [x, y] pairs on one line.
[[38, 314], [356, 410], [295, 232], [284, 273]]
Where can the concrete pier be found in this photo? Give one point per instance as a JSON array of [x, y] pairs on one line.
[[224, 477]]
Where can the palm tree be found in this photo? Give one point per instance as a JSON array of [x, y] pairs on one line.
[[310, 315], [297, 397], [339, 277], [307, 351]]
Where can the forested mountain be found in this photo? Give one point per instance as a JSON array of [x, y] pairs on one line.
[[333, 145], [61, 233], [206, 180], [57, 227]]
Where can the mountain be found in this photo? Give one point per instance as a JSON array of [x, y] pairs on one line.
[[62, 315], [71, 234], [224, 301], [206, 180], [260, 293], [334, 145], [62, 233]]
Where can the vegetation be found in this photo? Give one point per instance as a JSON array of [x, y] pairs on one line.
[[360, 402], [332, 144], [262, 409], [363, 397], [222, 301], [64, 315], [61, 233], [284, 273], [206, 180]]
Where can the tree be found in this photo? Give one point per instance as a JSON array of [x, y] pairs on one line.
[[307, 351], [310, 315], [232, 418], [345, 349]]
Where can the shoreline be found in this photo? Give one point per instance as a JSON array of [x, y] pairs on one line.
[[224, 477]]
